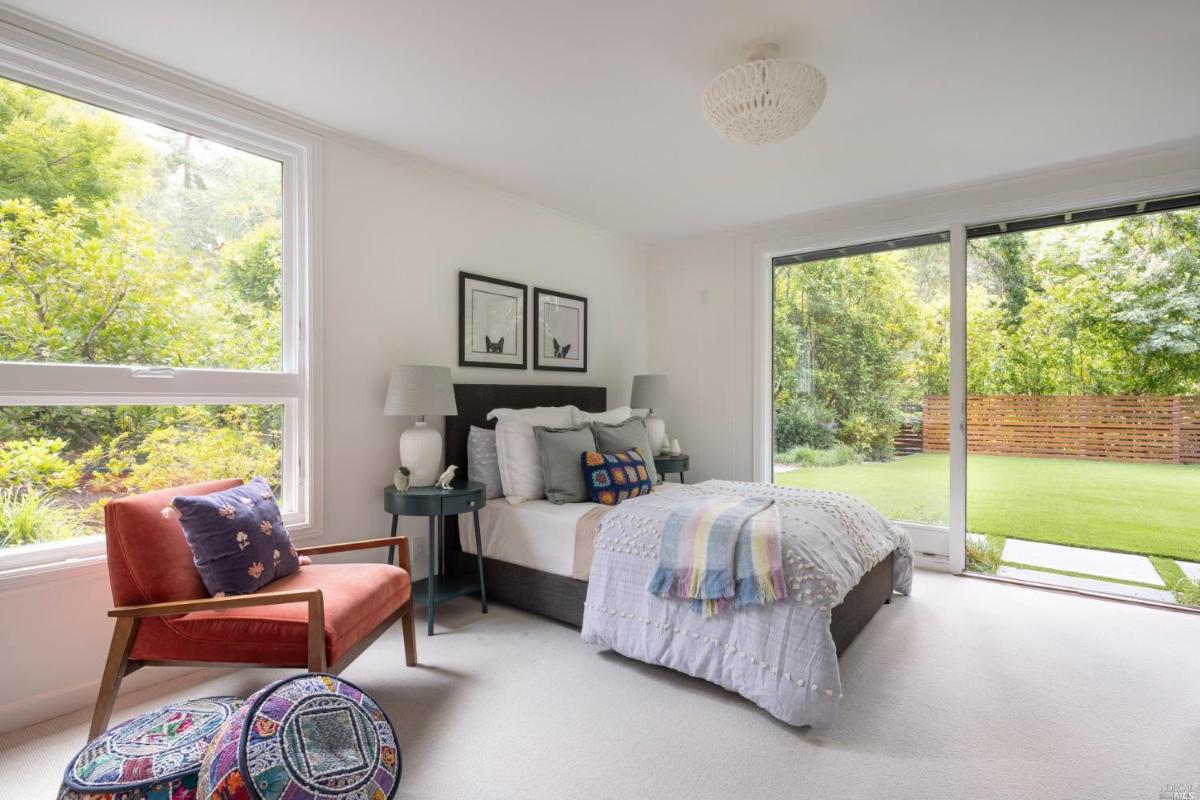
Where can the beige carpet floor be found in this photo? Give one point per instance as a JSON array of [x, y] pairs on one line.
[[967, 689]]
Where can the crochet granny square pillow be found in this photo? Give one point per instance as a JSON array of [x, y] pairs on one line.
[[615, 477]]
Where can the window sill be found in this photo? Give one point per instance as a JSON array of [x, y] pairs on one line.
[[79, 563]]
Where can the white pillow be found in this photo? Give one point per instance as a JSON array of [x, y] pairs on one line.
[[614, 416], [517, 451]]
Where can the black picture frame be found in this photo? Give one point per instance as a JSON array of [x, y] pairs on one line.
[[541, 361], [468, 354]]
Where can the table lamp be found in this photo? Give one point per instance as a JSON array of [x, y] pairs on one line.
[[650, 392], [417, 392]]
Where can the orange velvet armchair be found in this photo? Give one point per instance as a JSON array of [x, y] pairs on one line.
[[319, 618]]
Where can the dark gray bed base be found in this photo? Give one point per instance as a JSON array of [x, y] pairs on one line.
[[560, 597]]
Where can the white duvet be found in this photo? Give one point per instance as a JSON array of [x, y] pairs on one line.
[[780, 655]]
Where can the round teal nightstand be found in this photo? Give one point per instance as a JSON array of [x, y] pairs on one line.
[[437, 504], [667, 464]]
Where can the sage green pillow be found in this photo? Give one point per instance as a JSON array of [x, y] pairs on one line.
[[626, 436], [559, 450]]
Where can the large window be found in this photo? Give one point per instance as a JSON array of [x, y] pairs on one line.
[[153, 289]]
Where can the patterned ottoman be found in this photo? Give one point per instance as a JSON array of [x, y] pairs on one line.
[[152, 757], [308, 737]]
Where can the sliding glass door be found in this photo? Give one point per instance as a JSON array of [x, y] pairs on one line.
[[1083, 408], [1024, 396], [861, 355]]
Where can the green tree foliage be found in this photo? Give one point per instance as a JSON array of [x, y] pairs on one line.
[[1103, 308], [852, 324], [1005, 266], [1115, 312], [1151, 272], [52, 148], [251, 266], [90, 286]]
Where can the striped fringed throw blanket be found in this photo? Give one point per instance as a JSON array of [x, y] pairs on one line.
[[721, 551]]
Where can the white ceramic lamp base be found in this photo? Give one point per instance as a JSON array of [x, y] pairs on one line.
[[421, 452], [656, 429]]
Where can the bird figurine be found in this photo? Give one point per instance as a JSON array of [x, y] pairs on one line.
[[402, 477], [443, 481]]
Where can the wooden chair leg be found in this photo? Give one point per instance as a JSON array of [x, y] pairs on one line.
[[407, 620], [316, 634], [114, 671], [409, 626]]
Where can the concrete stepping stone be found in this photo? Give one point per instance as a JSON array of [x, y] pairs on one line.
[[1123, 566], [1190, 569], [1086, 584]]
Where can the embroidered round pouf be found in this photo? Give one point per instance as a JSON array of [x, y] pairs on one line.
[[152, 757], [308, 737]]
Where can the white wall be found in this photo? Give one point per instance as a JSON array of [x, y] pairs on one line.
[[704, 317], [395, 234], [395, 239]]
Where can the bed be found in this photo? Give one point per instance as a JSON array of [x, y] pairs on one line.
[[534, 560]]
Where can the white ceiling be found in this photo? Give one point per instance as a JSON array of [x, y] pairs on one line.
[[593, 107]]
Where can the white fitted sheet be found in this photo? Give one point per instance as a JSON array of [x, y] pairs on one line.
[[536, 533]]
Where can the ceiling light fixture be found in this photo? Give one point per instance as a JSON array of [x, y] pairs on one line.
[[766, 99]]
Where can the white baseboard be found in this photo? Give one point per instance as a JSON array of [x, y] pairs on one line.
[[82, 697]]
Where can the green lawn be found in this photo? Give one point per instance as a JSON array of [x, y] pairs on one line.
[[1152, 509]]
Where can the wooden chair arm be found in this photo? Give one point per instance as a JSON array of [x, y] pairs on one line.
[[362, 544], [316, 614], [175, 607]]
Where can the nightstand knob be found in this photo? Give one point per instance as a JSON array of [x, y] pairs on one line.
[[470, 504]]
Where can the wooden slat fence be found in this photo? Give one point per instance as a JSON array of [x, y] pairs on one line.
[[1162, 429]]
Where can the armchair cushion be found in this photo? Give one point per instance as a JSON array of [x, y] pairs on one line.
[[149, 561], [357, 598], [237, 538]]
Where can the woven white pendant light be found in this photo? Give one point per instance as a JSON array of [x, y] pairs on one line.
[[764, 100]]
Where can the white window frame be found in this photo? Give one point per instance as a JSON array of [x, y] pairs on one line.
[[104, 78], [936, 546]]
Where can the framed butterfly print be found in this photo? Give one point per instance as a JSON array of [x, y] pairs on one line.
[[491, 322], [560, 331]]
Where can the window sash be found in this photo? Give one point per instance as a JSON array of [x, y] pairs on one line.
[[72, 384], [103, 78]]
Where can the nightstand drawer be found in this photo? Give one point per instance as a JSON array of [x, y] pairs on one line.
[[462, 503]]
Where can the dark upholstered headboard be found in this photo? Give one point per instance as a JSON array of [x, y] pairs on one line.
[[475, 400]]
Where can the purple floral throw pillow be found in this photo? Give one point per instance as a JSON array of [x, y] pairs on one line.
[[237, 538]]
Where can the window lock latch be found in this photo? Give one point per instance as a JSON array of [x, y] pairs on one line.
[[152, 372]]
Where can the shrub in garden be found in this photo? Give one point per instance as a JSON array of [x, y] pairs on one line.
[[983, 554], [835, 456], [804, 422], [36, 465], [872, 434], [175, 456], [32, 516]]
